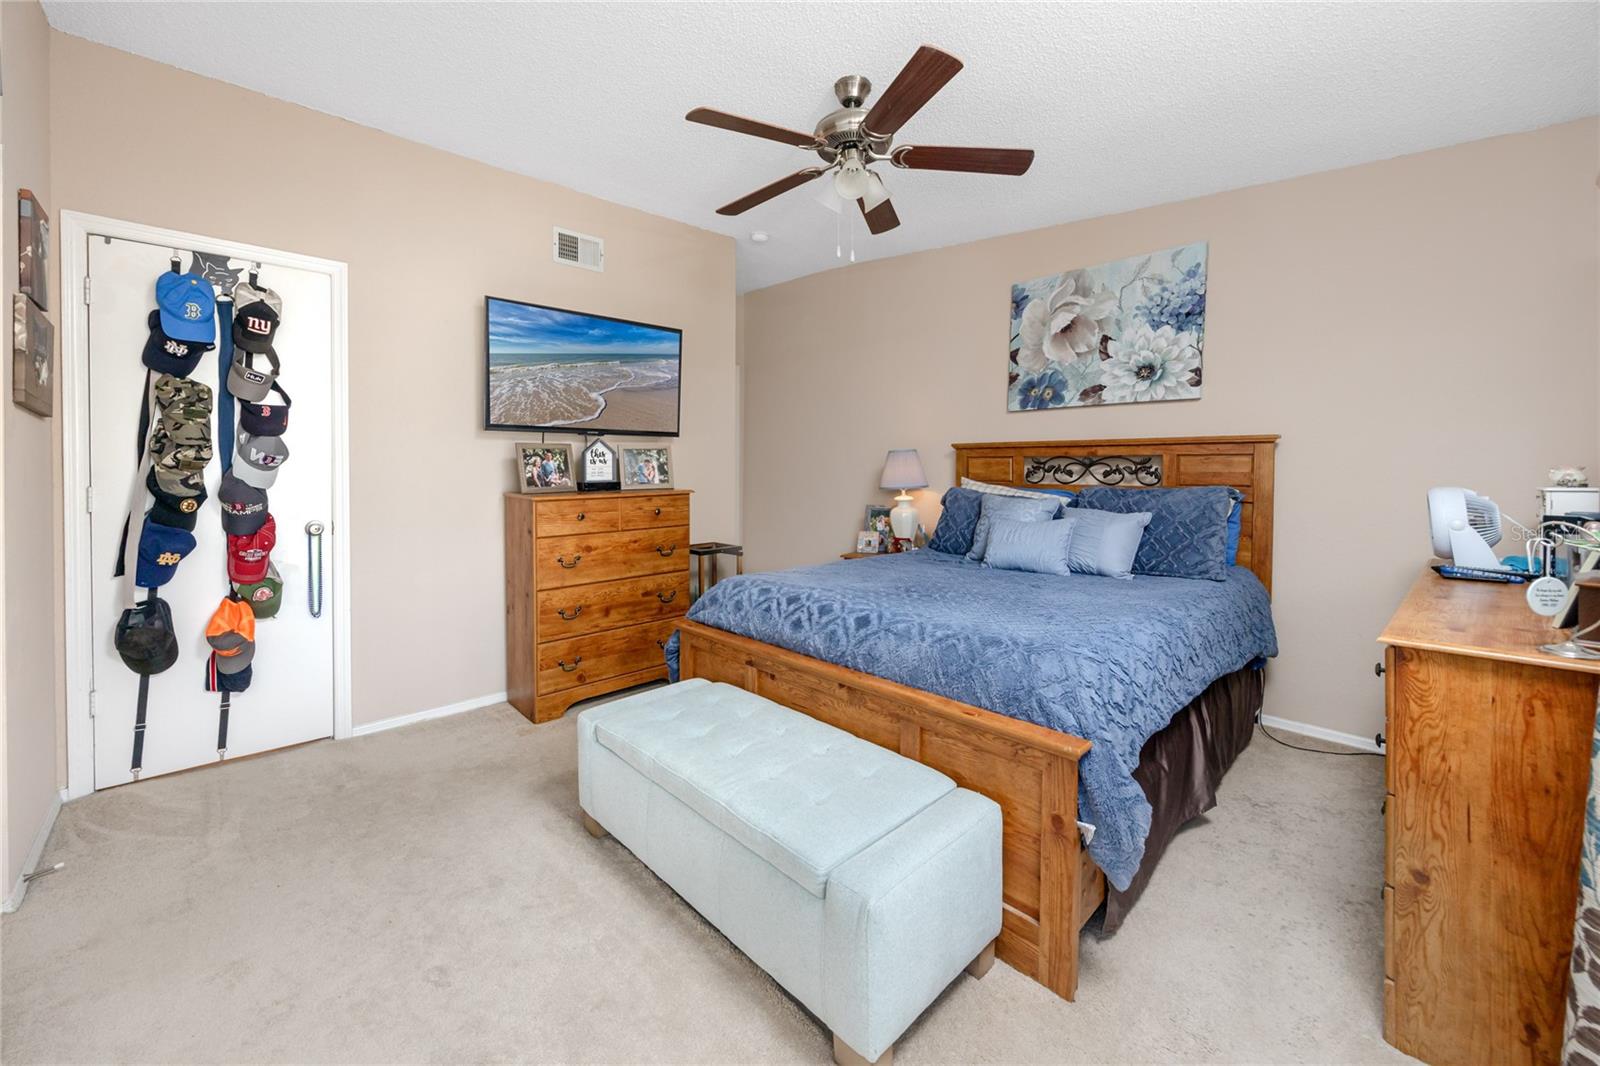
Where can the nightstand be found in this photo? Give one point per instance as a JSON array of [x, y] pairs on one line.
[[860, 555]]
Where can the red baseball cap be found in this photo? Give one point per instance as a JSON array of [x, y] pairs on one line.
[[251, 554]]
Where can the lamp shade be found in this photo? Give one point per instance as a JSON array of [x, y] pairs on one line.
[[902, 469]]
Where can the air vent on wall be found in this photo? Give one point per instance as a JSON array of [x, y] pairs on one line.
[[579, 249]]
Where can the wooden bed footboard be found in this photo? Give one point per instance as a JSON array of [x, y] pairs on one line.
[[1051, 887]]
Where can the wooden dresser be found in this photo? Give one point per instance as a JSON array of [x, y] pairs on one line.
[[595, 584], [1488, 773]]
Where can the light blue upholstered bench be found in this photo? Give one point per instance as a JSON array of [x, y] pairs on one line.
[[862, 881]]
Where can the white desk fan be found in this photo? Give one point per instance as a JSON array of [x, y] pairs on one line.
[[1465, 527]]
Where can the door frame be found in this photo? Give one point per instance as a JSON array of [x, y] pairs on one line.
[[75, 228]]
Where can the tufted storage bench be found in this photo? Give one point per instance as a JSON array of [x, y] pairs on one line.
[[862, 881]]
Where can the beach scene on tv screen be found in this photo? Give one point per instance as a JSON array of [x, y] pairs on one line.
[[560, 368]]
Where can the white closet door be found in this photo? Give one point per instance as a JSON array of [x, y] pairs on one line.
[[291, 696]]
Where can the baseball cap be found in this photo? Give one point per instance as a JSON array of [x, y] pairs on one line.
[[264, 596], [217, 681], [161, 549], [255, 316], [178, 509], [145, 638], [168, 355], [250, 555], [232, 635], [248, 383], [266, 419], [188, 306], [244, 507], [259, 459]]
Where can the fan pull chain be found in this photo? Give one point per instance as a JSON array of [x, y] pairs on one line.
[[838, 235], [852, 242]]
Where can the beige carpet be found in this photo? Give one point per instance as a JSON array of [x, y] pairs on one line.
[[427, 894]]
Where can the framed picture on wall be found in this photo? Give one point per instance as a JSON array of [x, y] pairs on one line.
[[32, 356], [647, 467], [544, 467], [33, 250]]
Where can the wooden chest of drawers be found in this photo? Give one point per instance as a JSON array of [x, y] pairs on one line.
[[1487, 775], [595, 584]]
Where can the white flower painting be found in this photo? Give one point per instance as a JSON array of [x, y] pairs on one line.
[[1131, 331]]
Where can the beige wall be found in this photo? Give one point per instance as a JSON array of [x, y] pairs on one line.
[[1420, 321], [427, 235], [32, 511]]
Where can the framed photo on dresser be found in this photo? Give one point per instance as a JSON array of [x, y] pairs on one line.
[[646, 467], [544, 467]]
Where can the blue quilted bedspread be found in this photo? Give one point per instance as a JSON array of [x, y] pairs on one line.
[[1108, 660]]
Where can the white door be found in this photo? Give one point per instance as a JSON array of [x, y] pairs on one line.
[[291, 695]]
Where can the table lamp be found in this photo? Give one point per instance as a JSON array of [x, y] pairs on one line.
[[902, 469]]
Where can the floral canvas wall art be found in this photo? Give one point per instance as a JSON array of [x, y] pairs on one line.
[[1131, 331]]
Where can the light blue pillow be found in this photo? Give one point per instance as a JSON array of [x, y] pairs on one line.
[[1037, 547], [1106, 542], [1016, 508]]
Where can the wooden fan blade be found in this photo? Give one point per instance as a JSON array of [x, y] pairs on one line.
[[767, 192], [914, 86], [880, 219], [1011, 161], [738, 124]]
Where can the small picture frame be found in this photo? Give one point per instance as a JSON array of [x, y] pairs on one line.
[[597, 466], [33, 249], [869, 543], [878, 522], [646, 467], [33, 341], [544, 467]]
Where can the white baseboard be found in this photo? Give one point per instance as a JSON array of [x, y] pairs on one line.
[[433, 712], [20, 889], [1317, 732]]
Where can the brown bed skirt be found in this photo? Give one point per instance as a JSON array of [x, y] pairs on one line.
[[1181, 766]]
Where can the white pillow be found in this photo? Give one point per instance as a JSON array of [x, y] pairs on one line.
[[1007, 490]]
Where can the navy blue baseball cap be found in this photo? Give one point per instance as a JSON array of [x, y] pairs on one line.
[[161, 549], [188, 306], [167, 355]]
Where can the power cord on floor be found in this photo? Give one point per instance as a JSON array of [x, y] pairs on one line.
[[1261, 725]]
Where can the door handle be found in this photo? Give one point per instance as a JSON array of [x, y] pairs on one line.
[[576, 611], [562, 559], [667, 597], [563, 663], [664, 551], [314, 531]]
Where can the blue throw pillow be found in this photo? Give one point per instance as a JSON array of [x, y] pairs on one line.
[[1037, 547], [1017, 508], [1188, 531], [1234, 518], [1105, 542], [953, 534]]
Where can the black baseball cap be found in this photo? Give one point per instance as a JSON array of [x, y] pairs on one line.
[[167, 355], [266, 419], [244, 507], [145, 638], [174, 509], [255, 316]]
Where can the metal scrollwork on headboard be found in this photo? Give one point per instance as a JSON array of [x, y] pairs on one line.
[[1144, 470]]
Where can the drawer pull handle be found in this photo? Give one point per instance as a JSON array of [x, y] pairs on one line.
[[576, 611], [664, 551], [562, 559], [658, 512], [582, 516], [667, 597], [563, 664], [661, 644]]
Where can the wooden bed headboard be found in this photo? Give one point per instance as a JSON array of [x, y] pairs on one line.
[[1245, 463]]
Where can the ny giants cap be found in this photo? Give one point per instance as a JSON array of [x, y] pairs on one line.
[[244, 507], [168, 355], [188, 306], [250, 556], [255, 316]]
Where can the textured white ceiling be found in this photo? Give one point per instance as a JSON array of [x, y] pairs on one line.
[[1127, 105]]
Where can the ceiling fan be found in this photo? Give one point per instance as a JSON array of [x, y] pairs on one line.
[[852, 138]]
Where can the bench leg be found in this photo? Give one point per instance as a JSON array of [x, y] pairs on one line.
[[595, 829], [845, 1055], [980, 965]]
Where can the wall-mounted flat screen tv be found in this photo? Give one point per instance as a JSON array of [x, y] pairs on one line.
[[571, 372]]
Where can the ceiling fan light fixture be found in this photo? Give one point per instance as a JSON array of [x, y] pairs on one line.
[[876, 193], [852, 181]]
